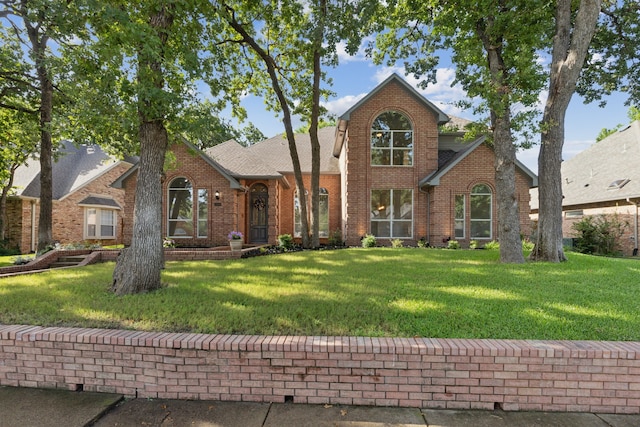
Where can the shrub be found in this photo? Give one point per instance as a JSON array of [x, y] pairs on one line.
[[473, 244], [22, 259], [423, 243], [285, 241], [168, 243], [369, 241], [396, 243], [527, 245], [492, 245], [335, 238], [599, 234], [7, 249], [453, 244]]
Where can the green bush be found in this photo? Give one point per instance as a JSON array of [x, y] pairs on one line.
[[599, 234], [335, 238], [396, 243], [285, 241], [453, 244], [473, 244], [492, 245], [22, 259], [369, 241], [6, 248], [423, 243], [527, 245]]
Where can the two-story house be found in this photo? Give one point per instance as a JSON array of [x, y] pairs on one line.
[[386, 169]]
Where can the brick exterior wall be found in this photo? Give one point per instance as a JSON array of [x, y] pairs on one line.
[[224, 215], [564, 376], [67, 216], [361, 177]]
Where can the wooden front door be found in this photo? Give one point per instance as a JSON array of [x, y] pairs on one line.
[[259, 214]]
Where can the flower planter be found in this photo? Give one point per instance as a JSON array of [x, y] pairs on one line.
[[236, 244]]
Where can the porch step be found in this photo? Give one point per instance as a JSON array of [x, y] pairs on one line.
[[68, 261]]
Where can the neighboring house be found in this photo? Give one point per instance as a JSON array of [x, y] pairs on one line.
[[386, 169], [603, 179], [85, 205]]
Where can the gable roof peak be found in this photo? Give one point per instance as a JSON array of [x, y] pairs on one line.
[[442, 117]]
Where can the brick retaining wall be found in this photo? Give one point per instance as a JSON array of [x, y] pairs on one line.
[[567, 376]]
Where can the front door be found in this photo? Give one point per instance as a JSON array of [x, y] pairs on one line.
[[259, 214]]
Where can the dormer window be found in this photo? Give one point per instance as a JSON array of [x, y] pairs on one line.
[[392, 140], [618, 184]]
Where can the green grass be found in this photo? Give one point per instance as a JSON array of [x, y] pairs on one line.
[[365, 292], [7, 260]]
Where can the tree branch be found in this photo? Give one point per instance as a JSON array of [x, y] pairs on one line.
[[18, 108]]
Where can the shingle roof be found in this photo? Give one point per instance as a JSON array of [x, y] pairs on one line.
[[100, 201], [240, 162], [74, 167], [587, 176], [275, 152]]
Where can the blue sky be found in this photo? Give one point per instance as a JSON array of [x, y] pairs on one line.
[[356, 76]]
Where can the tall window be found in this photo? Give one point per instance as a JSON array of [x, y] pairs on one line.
[[458, 216], [180, 208], [481, 212], [324, 214], [392, 140], [100, 223], [392, 213], [203, 210]]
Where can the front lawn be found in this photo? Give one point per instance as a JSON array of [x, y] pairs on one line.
[[364, 292], [7, 260]]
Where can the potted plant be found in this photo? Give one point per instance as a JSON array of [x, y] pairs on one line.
[[235, 240]]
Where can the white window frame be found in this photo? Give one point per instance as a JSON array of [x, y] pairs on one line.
[[297, 225], [98, 225], [179, 220], [391, 148], [391, 220], [457, 220], [203, 223], [490, 219]]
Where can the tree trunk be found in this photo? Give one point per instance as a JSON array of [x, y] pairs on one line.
[[570, 46], [508, 209], [138, 267], [313, 128], [3, 203], [505, 151]]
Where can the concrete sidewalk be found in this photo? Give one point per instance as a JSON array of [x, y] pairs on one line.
[[43, 408]]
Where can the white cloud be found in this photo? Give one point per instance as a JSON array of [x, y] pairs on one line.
[[340, 105], [359, 56]]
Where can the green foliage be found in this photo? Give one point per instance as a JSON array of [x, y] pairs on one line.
[[396, 243], [473, 244], [369, 241], [22, 259], [492, 245], [168, 243], [7, 248], [527, 245], [453, 244], [335, 238], [423, 243], [285, 241], [351, 292], [599, 234]]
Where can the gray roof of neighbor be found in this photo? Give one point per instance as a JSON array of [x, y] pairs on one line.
[[240, 162], [591, 176], [100, 201], [74, 167], [275, 152]]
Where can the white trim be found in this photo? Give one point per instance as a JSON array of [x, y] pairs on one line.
[[98, 224]]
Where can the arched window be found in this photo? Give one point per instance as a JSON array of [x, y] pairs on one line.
[[180, 215], [323, 225], [392, 140], [481, 212]]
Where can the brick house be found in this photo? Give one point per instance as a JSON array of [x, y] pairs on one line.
[[85, 205], [386, 169], [604, 179]]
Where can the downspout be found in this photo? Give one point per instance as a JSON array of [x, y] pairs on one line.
[[33, 226], [427, 214], [635, 224]]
